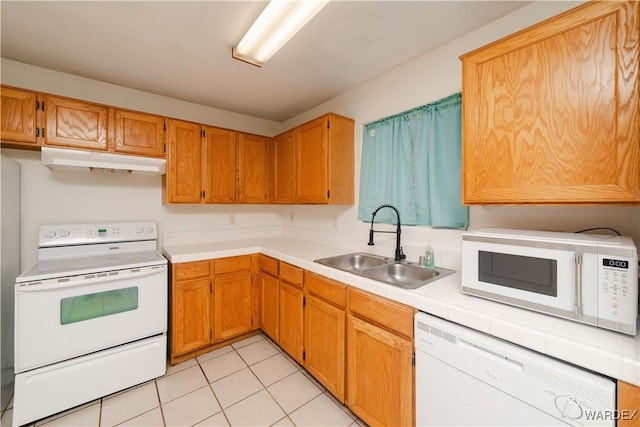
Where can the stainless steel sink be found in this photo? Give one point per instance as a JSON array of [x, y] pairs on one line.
[[405, 274], [354, 263]]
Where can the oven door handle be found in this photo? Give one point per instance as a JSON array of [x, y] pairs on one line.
[[49, 285], [578, 310]]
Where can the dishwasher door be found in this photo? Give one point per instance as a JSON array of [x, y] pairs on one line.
[[467, 378]]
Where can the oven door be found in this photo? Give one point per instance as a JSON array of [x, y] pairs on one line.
[[59, 319], [559, 280]]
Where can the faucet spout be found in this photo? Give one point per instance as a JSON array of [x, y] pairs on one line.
[[399, 255]]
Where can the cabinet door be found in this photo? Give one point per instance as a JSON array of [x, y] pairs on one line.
[[284, 159], [220, 180], [18, 121], [324, 338], [191, 306], [232, 312], [269, 305], [379, 375], [76, 124], [139, 133], [628, 402], [183, 181], [311, 162], [253, 168], [550, 114], [291, 320]]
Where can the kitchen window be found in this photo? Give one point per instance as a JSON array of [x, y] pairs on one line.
[[413, 161]]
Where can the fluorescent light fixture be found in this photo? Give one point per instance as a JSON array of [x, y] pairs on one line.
[[277, 23]]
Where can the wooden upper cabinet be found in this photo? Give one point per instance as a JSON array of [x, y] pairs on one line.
[[75, 124], [311, 161], [284, 155], [18, 115], [324, 161], [550, 114], [183, 181], [221, 151], [138, 133], [254, 168]]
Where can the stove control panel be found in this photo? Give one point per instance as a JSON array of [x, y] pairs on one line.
[[81, 234]]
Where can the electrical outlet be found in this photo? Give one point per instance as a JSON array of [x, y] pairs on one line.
[[291, 217], [335, 222], [232, 219]]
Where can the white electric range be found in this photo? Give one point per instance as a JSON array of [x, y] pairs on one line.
[[90, 316]]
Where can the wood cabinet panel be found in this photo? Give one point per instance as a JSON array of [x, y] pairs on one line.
[[233, 309], [291, 274], [192, 270], [389, 314], [628, 400], [311, 156], [221, 165], [290, 322], [379, 375], [254, 171], [550, 114], [327, 289], [190, 320], [324, 344], [75, 124], [284, 164], [270, 305], [18, 118], [139, 133], [268, 265], [232, 264], [183, 181]]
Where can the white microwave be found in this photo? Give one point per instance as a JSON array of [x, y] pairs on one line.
[[586, 278]]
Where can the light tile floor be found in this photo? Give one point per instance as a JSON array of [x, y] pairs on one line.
[[248, 383]]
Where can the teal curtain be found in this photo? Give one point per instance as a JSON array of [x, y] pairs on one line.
[[413, 161]]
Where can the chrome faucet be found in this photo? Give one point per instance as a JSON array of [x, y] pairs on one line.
[[399, 254]]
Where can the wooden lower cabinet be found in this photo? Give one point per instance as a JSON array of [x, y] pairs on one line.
[[190, 315], [210, 301], [628, 405], [232, 312], [191, 327], [291, 300], [324, 342], [380, 371], [379, 375], [269, 305]]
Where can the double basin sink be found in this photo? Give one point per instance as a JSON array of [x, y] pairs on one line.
[[404, 274]]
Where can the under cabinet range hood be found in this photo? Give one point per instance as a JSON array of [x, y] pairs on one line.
[[92, 161]]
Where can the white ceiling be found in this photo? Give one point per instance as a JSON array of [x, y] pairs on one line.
[[182, 49]]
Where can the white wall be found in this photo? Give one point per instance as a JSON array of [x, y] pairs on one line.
[[425, 79], [56, 196]]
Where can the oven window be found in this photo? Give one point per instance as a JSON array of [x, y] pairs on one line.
[[100, 304], [538, 275]]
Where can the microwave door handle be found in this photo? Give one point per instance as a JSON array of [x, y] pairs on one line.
[[578, 285]]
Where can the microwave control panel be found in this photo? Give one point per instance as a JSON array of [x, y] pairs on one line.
[[618, 301]]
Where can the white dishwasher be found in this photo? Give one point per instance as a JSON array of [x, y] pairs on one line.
[[467, 378]]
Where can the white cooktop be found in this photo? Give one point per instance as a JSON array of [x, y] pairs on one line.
[[66, 250], [76, 266]]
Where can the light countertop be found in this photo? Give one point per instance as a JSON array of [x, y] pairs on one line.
[[610, 353]]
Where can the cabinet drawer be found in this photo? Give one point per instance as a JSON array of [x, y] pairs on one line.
[[291, 274], [268, 265], [391, 315], [233, 264], [192, 270], [333, 292]]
